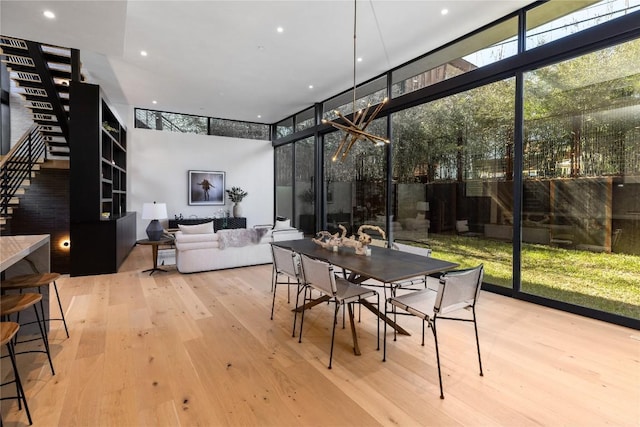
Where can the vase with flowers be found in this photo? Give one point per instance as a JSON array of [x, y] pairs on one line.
[[236, 194]]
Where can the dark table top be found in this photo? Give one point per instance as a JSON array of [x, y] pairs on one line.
[[385, 265]]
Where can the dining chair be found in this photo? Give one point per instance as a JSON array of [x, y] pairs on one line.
[[286, 264], [410, 283], [457, 290], [319, 275]]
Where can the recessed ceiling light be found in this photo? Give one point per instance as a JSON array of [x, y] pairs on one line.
[[280, 29], [360, 59], [444, 11], [154, 102], [49, 14], [259, 116], [143, 53], [310, 86]]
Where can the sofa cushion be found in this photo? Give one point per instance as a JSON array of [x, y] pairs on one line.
[[206, 228], [184, 247], [195, 238]]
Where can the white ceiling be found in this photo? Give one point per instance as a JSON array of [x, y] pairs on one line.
[[225, 58]]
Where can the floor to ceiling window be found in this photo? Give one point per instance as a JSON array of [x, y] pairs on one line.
[[453, 175], [304, 200], [581, 201], [284, 180]]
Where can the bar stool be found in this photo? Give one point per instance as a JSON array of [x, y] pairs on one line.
[[15, 303], [7, 331], [37, 280]]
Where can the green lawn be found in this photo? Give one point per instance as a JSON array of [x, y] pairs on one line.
[[607, 282]]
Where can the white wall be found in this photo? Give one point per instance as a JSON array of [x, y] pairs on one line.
[[158, 163]]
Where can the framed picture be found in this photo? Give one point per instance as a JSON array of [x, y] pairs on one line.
[[206, 188]]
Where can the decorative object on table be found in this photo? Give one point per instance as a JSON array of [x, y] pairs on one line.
[[236, 194], [154, 211], [206, 187], [360, 244], [356, 130]]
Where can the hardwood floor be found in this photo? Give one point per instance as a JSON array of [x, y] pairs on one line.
[[199, 349]]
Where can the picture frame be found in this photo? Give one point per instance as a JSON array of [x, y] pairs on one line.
[[206, 187]]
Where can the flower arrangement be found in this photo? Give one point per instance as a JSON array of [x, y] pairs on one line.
[[236, 194]]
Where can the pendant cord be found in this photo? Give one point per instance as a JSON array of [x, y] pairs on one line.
[[355, 14]]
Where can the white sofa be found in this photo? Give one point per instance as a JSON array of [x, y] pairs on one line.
[[198, 248]]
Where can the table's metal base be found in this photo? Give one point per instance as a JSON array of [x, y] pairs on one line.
[[153, 270]]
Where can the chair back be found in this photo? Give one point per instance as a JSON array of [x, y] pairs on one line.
[[286, 261], [459, 289], [412, 249], [319, 275]]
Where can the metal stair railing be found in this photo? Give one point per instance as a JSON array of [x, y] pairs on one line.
[[17, 165]]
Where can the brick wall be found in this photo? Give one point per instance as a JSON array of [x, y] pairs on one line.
[[44, 209]]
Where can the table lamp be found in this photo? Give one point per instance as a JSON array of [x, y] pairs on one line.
[[154, 211]]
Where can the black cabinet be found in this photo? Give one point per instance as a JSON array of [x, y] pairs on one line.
[[100, 247], [218, 223], [102, 231]]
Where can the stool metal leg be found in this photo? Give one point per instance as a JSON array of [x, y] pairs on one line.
[[21, 395], [64, 321], [44, 338]]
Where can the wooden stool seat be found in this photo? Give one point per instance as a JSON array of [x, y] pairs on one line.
[[36, 280], [8, 330], [10, 304], [30, 280]]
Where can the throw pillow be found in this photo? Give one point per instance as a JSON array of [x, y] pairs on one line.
[[206, 228]]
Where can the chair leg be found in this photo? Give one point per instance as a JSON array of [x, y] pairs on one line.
[[378, 322], [295, 312], [435, 337], [21, 395], [475, 326], [333, 333], [304, 301], [64, 321], [274, 286], [384, 338], [274, 277]]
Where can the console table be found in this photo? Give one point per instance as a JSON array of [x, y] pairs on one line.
[[218, 223]]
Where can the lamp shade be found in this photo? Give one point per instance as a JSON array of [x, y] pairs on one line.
[[422, 206], [154, 211]]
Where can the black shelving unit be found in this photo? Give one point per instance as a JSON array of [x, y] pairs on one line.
[[102, 231]]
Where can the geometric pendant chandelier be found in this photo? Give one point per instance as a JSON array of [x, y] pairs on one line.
[[355, 130]]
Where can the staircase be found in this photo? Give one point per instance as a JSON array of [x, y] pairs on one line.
[[42, 74], [17, 169]]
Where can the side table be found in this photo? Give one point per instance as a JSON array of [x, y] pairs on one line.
[[154, 250]]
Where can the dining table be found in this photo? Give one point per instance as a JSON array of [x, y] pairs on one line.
[[384, 265]]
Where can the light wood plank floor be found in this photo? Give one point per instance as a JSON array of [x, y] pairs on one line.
[[199, 349]]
